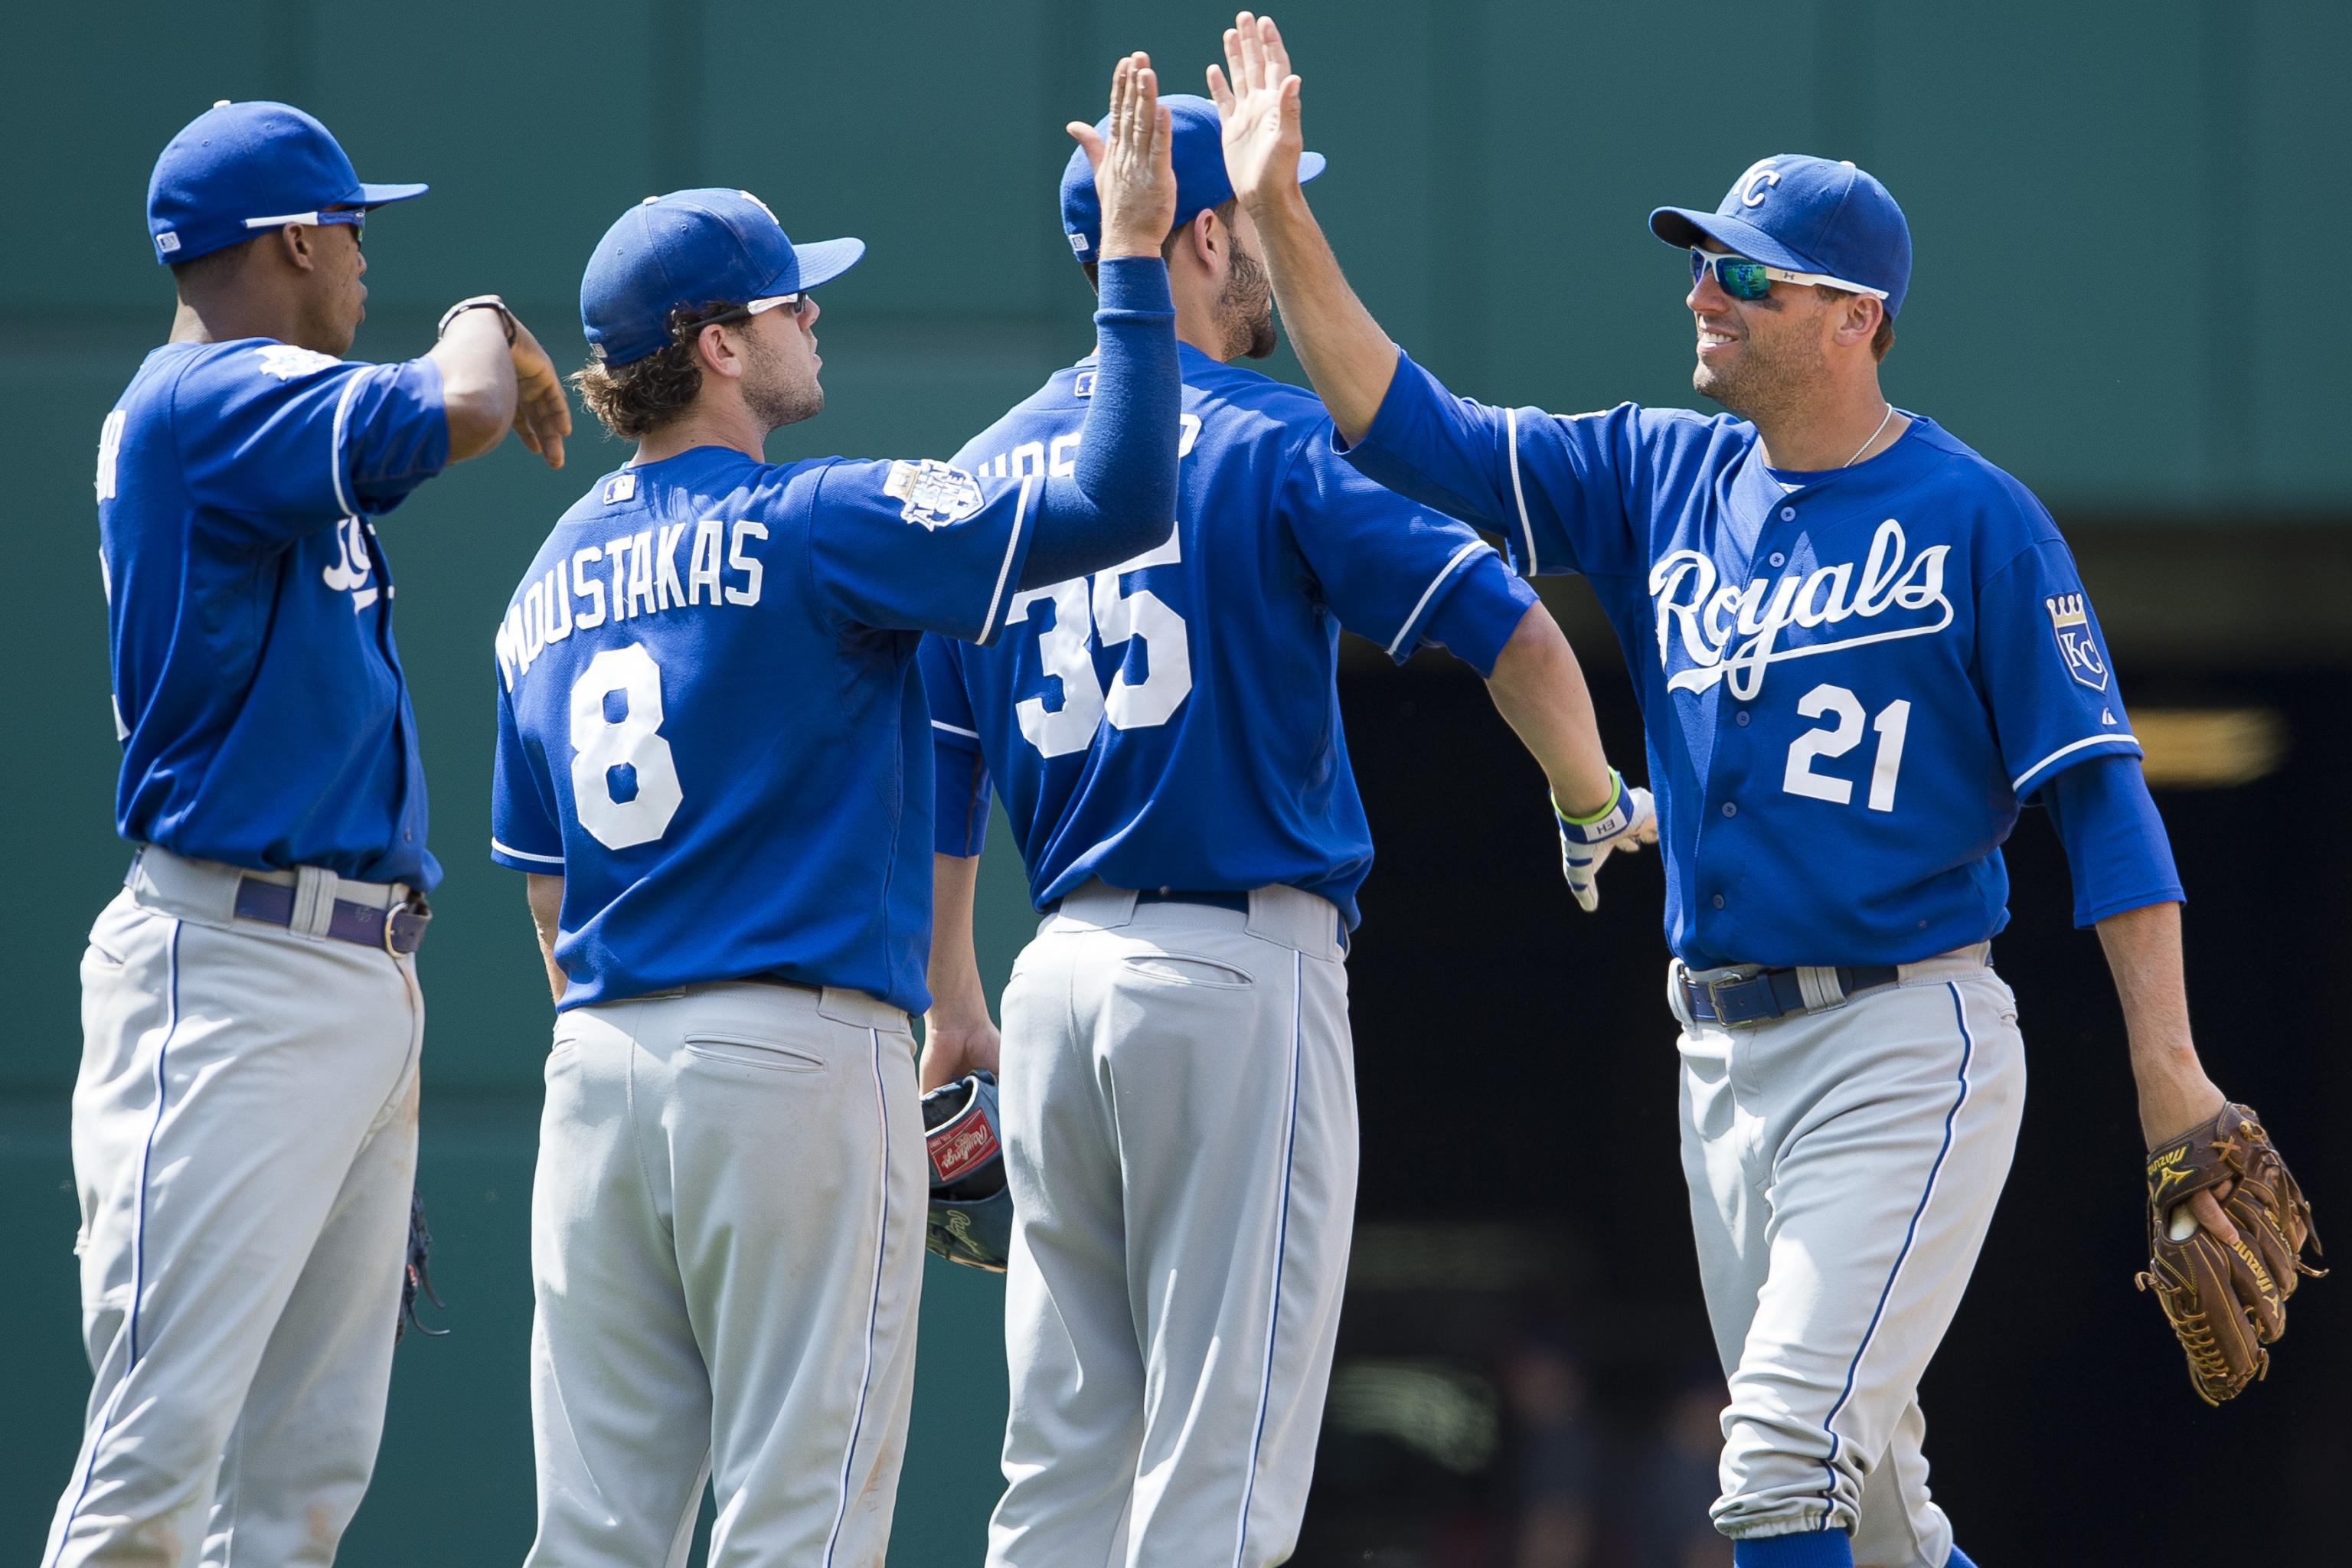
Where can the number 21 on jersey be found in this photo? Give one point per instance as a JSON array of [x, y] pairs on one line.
[[1844, 712]]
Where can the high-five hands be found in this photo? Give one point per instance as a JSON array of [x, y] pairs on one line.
[[1257, 100], [1135, 174]]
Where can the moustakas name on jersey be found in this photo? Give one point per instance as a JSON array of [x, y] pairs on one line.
[[1850, 679], [264, 719], [1172, 722], [707, 727]]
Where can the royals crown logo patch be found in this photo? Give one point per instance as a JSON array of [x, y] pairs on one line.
[[2069, 623]]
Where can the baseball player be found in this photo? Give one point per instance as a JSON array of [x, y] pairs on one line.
[[1178, 1087], [714, 763], [1859, 647], [244, 1122]]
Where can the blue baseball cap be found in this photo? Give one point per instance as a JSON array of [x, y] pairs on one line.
[[1198, 152], [1807, 215], [692, 249], [239, 168]]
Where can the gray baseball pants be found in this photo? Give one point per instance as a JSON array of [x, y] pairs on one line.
[[727, 1250], [1179, 1134], [245, 1145], [1843, 1165]]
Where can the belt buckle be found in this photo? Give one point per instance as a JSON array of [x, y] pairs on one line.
[[1731, 1000], [417, 907]]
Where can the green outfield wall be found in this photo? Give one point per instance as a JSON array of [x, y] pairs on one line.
[[2126, 214]]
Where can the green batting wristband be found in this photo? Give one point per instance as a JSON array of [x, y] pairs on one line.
[[1616, 799]]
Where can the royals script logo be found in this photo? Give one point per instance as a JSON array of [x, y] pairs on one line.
[[1734, 634]]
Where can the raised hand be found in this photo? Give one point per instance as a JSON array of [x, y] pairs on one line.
[[1259, 107], [1135, 174], [542, 414]]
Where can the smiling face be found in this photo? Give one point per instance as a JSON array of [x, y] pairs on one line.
[[1756, 357]]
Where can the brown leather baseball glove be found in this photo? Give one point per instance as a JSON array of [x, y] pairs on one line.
[[2225, 1299]]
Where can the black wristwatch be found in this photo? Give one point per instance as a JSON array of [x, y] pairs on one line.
[[478, 303]]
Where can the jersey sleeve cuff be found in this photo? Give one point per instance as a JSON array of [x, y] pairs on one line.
[[515, 859], [946, 734], [1477, 611], [1408, 384], [2040, 772], [2088, 915], [1407, 638], [1017, 554]]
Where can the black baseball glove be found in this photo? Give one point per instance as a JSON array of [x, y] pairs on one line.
[[971, 1212]]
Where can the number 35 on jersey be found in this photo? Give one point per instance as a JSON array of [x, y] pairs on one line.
[[1077, 616]]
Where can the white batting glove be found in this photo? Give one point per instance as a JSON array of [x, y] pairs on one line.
[[1629, 821]]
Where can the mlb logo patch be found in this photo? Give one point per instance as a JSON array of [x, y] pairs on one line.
[[285, 362], [620, 487], [1083, 386], [166, 243], [2069, 623], [936, 494], [961, 1147]]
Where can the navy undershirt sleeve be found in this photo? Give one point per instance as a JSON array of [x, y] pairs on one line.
[[2116, 844], [1122, 499]]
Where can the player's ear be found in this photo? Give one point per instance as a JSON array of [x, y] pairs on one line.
[[294, 242], [1857, 319], [1209, 234], [717, 350]]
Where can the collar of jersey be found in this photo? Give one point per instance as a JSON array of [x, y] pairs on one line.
[[1898, 462], [1189, 358], [708, 449]]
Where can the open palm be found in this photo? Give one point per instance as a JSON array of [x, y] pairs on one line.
[[1258, 100]]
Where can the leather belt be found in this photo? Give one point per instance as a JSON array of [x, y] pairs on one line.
[[1237, 902], [398, 931], [770, 978], [1775, 993]]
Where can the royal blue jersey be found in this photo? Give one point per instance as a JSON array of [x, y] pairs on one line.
[[709, 724], [264, 719], [1173, 721], [1848, 686]]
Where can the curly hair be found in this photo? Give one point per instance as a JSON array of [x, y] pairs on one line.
[[637, 399]]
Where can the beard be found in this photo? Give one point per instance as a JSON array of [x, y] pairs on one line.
[[776, 391], [1246, 307], [1765, 380]]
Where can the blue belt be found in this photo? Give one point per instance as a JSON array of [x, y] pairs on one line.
[[399, 929], [1772, 993]]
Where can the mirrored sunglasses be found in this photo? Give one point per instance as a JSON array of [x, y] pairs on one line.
[[1745, 279]]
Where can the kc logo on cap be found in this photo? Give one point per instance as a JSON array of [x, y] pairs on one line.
[[1761, 176], [1801, 214]]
